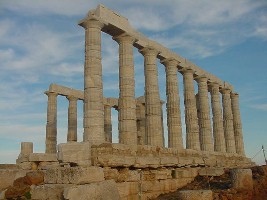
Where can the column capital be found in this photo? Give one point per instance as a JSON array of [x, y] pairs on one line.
[[214, 85], [72, 98], [225, 90], [91, 22], [149, 51], [234, 95], [187, 70], [50, 93], [201, 78], [169, 61], [124, 37]]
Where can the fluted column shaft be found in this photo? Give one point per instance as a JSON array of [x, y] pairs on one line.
[[93, 86], [239, 143], [228, 121], [218, 131], [108, 123], [51, 125], [152, 99], [175, 139], [191, 119], [72, 119], [127, 104], [204, 115]]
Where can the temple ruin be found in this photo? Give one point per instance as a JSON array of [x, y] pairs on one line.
[[139, 166]]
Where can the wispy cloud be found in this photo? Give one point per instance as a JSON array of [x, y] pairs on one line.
[[262, 107]]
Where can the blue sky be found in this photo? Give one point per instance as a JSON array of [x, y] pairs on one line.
[[41, 43]]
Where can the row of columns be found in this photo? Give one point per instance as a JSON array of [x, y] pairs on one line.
[[198, 124], [51, 125]]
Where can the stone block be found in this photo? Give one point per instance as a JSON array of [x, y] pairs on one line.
[[48, 191], [25, 165], [195, 195], [241, 179], [144, 162], [74, 175], [211, 171], [127, 188], [39, 157], [46, 165], [185, 173], [110, 173], [75, 152], [94, 191]]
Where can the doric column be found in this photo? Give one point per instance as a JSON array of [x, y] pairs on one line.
[[204, 115], [218, 132], [153, 105], [72, 119], [228, 121], [239, 143], [175, 139], [93, 86], [51, 125], [108, 123], [127, 104], [191, 120]]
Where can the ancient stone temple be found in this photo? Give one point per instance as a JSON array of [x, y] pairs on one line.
[[140, 166]]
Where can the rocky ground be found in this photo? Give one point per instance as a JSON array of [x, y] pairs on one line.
[[222, 188]]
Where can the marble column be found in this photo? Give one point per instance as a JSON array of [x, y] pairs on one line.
[[127, 104], [205, 134], [218, 132], [72, 119], [175, 139], [239, 143], [108, 123], [51, 125], [228, 121], [152, 99], [93, 86], [191, 119]]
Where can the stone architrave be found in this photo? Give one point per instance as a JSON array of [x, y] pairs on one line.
[[126, 105], [218, 132], [191, 119], [228, 121], [72, 119], [93, 85], [175, 139], [204, 115], [239, 143], [51, 125], [152, 99], [108, 123]]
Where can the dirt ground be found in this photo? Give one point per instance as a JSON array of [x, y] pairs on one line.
[[222, 188]]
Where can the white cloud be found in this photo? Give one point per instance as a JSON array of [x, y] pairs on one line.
[[262, 107]]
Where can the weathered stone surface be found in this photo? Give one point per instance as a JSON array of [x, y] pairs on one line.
[[48, 191], [195, 195], [2, 195], [74, 175], [35, 177], [242, 179], [94, 191], [127, 188], [75, 152], [47, 165], [37, 157], [208, 171]]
